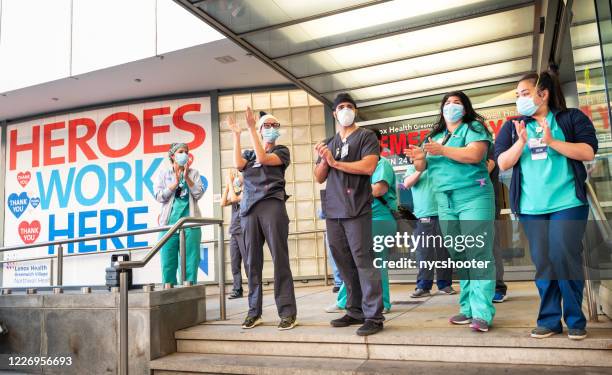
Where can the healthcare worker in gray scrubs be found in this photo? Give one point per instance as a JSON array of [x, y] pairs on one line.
[[346, 162], [263, 215]]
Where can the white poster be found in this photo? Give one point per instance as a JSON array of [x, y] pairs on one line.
[[93, 172]]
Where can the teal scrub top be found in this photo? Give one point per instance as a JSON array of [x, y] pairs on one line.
[[423, 197], [384, 172], [448, 174], [547, 184], [180, 205]]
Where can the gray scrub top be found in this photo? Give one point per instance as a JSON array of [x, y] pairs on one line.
[[263, 181], [349, 195]]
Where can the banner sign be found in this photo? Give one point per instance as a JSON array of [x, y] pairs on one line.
[[94, 172]]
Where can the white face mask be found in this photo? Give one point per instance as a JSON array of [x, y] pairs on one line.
[[346, 117]]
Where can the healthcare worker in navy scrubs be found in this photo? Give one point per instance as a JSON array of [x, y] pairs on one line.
[[546, 148], [263, 215], [455, 156], [346, 162]]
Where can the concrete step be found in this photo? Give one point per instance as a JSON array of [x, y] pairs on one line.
[[190, 363], [449, 344]]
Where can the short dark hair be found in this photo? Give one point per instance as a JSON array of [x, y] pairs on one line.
[[343, 98]]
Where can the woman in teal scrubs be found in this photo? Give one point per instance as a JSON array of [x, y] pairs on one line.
[[455, 156], [178, 189], [546, 148]]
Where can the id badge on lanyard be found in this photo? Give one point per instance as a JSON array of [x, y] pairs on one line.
[[537, 148], [344, 151]]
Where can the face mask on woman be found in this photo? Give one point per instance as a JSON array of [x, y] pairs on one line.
[[181, 158], [270, 135], [452, 112], [346, 117], [525, 105]]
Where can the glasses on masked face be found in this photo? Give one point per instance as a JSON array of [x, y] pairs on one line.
[[274, 125]]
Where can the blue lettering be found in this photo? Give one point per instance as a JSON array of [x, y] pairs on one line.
[[118, 184], [106, 229], [84, 231], [78, 192], [55, 183], [146, 178], [132, 225], [54, 233]]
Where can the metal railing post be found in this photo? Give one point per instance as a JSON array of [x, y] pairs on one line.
[[60, 265], [325, 259], [591, 299], [222, 311], [123, 322], [182, 255]]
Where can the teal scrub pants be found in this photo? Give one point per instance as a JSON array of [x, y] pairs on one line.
[[384, 228], [170, 256], [470, 211]]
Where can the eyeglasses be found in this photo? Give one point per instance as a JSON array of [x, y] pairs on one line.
[[274, 125]]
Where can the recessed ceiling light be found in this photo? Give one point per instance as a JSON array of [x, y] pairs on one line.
[[3, 94], [137, 80], [225, 59], [55, 99]]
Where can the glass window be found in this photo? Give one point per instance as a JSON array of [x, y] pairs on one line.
[[302, 126]]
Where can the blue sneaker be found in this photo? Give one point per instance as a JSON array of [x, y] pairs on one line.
[[499, 298]]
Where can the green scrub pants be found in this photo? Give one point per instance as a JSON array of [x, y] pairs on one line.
[[384, 228], [170, 256], [464, 212]]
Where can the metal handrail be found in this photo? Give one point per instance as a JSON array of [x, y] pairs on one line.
[[124, 266], [606, 232]]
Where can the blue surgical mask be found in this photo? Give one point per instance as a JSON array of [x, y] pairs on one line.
[[525, 105], [181, 159], [270, 135], [452, 112]]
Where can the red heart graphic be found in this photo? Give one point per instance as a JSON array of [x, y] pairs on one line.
[[29, 232], [190, 159], [23, 178]]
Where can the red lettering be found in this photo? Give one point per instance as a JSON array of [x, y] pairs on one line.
[[75, 141], [496, 127], [134, 124], [423, 135], [413, 138], [397, 143], [34, 147], [49, 143], [149, 130], [603, 113], [199, 134]]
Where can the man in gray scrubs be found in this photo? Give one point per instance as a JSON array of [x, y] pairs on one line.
[[346, 162]]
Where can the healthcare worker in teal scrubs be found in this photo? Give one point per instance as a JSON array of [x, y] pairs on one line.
[[546, 148], [455, 155], [178, 189], [383, 223]]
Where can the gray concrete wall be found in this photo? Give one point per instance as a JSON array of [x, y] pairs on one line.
[[86, 327]]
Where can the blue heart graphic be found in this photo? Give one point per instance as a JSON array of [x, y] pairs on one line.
[[204, 183], [35, 201], [18, 203]]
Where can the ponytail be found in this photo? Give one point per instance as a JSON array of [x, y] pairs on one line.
[[549, 80]]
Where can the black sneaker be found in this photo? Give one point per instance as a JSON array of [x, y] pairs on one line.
[[369, 328], [335, 289], [420, 293], [252, 322], [345, 321], [577, 334], [542, 332], [235, 294], [287, 323]]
